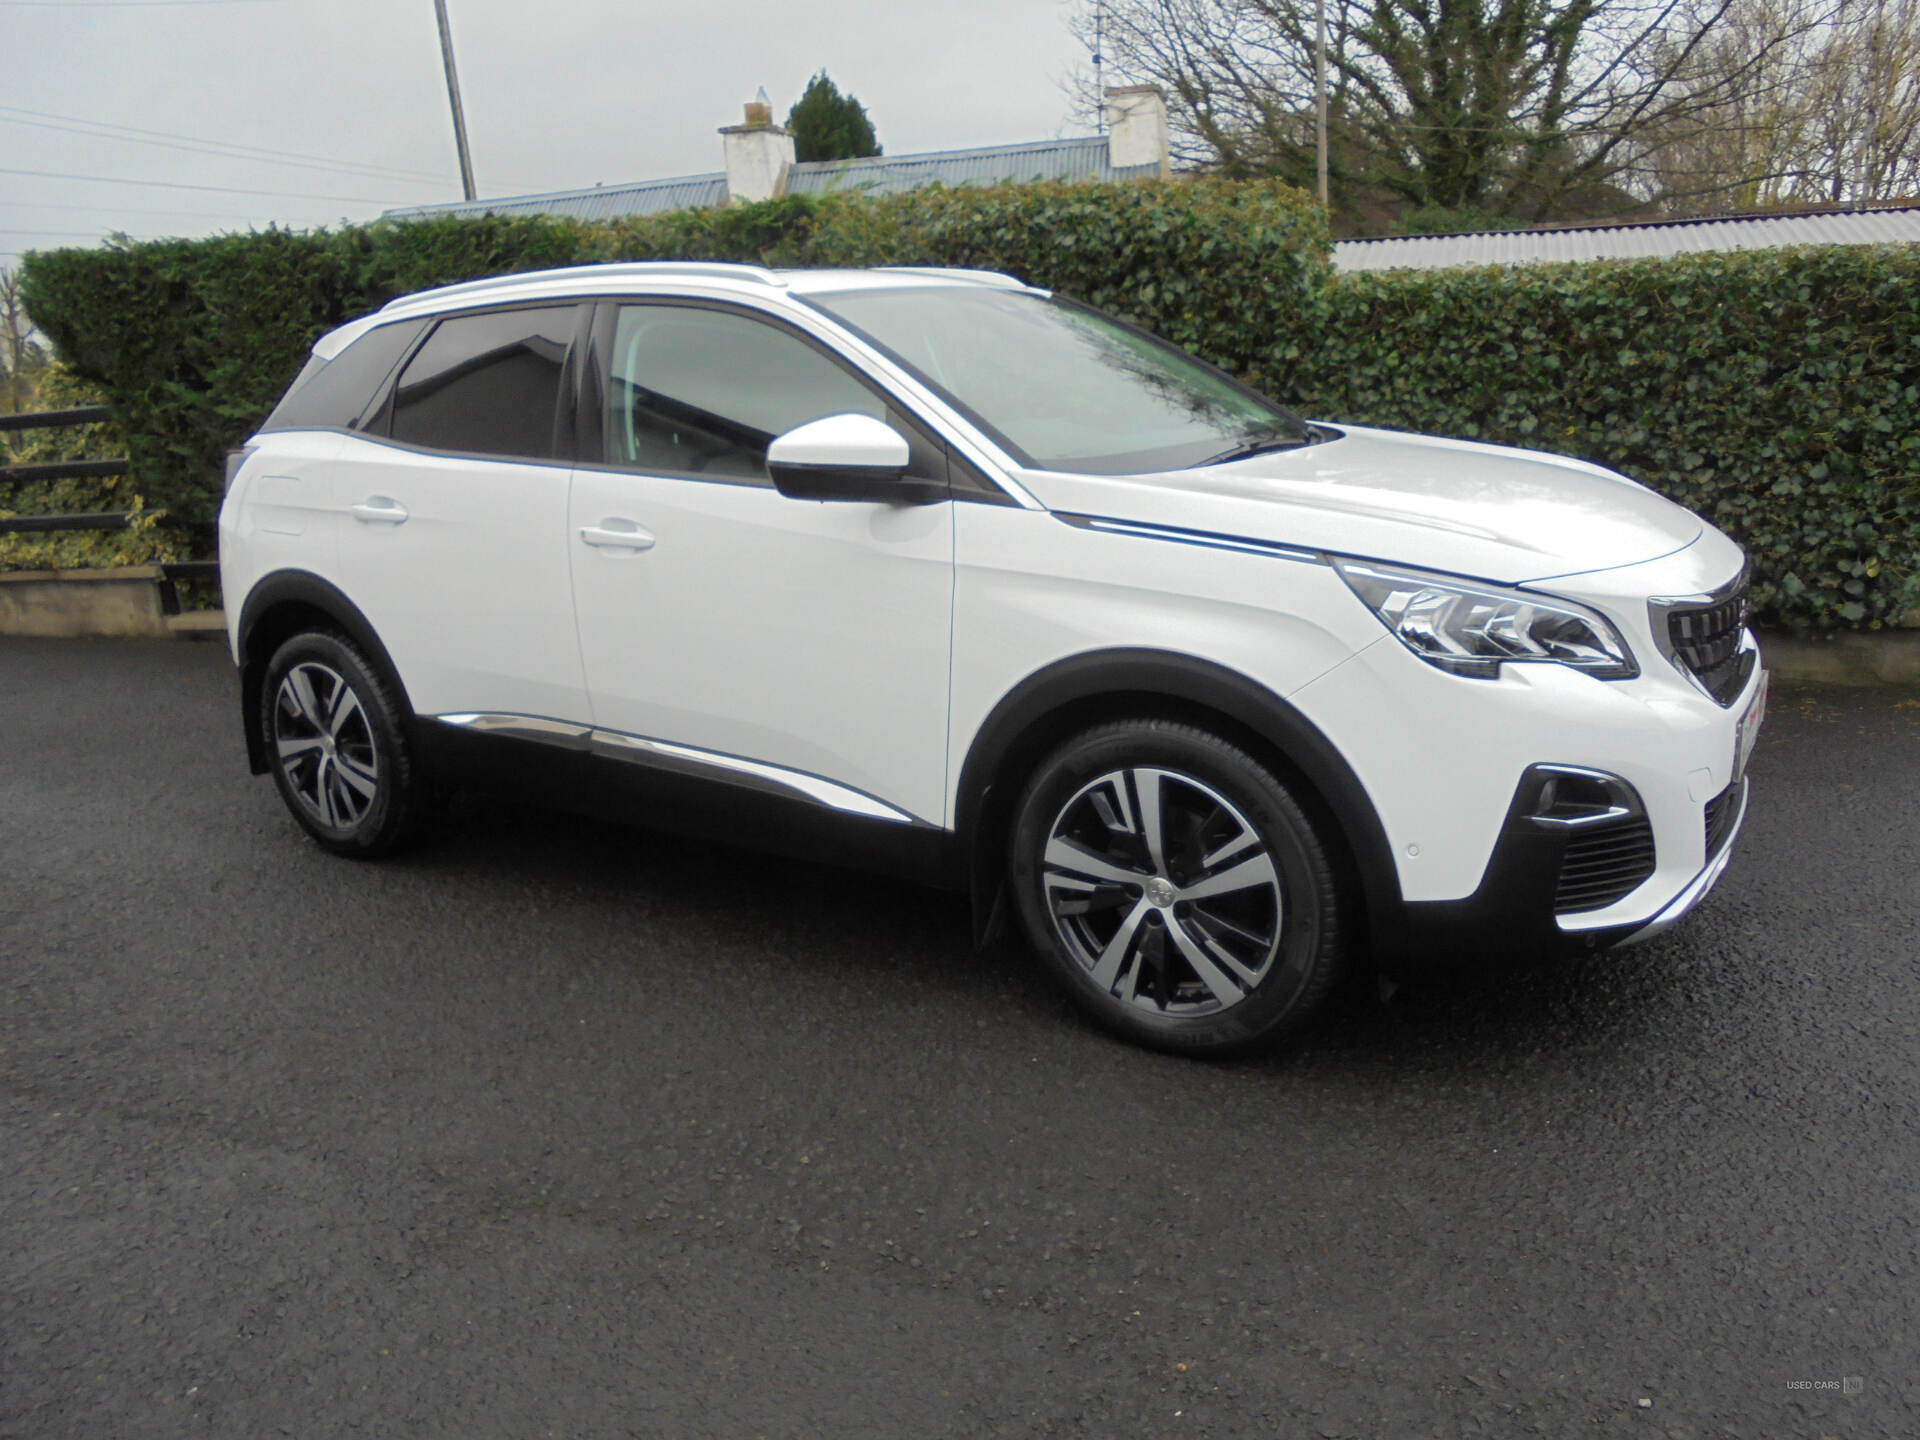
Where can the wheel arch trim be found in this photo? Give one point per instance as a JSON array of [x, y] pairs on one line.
[[1024, 721], [310, 591]]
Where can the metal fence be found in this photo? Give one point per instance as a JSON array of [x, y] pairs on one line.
[[171, 571], [62, 470]]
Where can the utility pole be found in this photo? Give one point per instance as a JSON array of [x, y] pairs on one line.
[[453, 98], [1099, 42], [1319, 97]]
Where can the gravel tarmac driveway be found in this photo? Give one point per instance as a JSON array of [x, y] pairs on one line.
[[552, 1128]]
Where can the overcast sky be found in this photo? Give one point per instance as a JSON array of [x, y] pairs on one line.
[[558, 93]]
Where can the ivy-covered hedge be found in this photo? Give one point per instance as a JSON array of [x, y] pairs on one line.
[[147, 538], [1774, 392]]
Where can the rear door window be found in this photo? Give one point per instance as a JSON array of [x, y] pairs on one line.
[[488, 384]]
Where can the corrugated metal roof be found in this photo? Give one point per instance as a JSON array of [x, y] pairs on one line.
[[1628, 242], [602, 202], [1082, 158]]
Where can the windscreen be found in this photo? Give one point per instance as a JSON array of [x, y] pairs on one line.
[[1061, 386]]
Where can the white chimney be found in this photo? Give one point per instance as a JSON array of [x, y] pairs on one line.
[[758, 153], [1136, 117]]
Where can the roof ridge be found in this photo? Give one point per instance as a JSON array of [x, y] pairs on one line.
[[1669, 222], [707, 177], [970, 150]]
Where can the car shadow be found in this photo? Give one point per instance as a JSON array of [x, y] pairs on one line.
[[1463, 1013]]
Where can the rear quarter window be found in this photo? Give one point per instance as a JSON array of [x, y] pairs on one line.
[[335, 394]]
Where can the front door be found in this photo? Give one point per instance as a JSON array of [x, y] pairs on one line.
[[802, 637]]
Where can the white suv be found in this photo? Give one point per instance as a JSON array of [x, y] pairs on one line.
[[938, 573]]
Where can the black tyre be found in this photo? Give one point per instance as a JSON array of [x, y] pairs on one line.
[[1179, 891], [337, 746]]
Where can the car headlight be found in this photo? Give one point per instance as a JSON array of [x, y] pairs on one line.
[[1472, 627]]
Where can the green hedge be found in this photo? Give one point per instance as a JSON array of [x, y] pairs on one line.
[[194, 340], [146, 540], [1774, 392]]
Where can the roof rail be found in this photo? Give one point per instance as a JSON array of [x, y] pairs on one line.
[[995, 278], [639, 269]]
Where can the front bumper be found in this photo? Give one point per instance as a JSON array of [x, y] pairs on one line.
[[1682, 904], [1520, 907], [1479, 873]]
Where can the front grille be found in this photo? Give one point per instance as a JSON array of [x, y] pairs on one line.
[[1706, 641], [1603, 864], [1721, 812]]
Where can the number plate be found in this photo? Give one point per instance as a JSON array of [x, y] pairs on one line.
[[1749, 728]]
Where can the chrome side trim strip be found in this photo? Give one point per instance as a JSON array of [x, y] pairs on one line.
[[1206, 539], [1698, 888], [523, 727], [689, 759]]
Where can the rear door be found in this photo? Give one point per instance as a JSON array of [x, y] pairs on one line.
[[454, 533]]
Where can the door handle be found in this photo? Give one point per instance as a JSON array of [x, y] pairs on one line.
[[617, 535], [378, 510]]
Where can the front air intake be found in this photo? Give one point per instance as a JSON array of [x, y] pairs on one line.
[[1603, 864], [1608, 848], [1722, 810]]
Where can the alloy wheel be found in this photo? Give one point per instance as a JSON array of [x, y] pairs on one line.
[[1163, 890], [323, 740]]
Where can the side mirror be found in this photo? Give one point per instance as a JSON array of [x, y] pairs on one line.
[[847, 457]]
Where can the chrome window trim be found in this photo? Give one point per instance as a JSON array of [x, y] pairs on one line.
[[956, 429], [892, 382]]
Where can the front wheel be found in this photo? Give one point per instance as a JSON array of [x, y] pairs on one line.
[[337, 746], [1177, 888]]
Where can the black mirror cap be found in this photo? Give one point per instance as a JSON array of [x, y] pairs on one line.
[[874, 484]]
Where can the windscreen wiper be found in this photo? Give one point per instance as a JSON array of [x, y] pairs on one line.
[[1259, 445]]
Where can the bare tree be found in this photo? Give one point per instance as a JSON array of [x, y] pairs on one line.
[[15, 337], [1520, 108], [1743, 147], [1829, 113], [1864, 112]]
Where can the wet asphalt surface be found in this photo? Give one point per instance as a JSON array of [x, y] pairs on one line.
[[552, 1128]]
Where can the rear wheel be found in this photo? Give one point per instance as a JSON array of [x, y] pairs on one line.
[[337, 746], [1177, 887]]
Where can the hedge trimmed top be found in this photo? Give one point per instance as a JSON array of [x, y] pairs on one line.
[[1774, 392]]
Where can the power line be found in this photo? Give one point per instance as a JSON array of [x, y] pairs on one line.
[[106, 130], [11, 204], [122, 4], [213, 189], [331, 169]]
